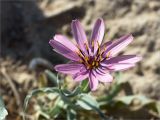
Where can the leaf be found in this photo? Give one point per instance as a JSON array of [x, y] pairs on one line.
[[3, 111], [83, 105], [158, 107], [89, 99], [71, 114], [56, 110], [85, 86], [68, 93], [129, 99], [37, 91], [89, 103], [44, 115], [52, 77], [150, 104], [113, 92]]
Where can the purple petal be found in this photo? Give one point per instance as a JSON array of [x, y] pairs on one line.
[[93, 82], [79, 35], [105, 78], [106, 45], [124, 59], [67, 51], [71, 68], [66, 42], [97, 34], [119, 66], [118, 45], [83, 74], [103, 75], [100, 71]]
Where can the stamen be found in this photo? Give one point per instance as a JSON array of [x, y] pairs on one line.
[[86, 45], [86, 58], [87, 48], [80, 51], [103, 50], [100, 58], [97, 64], [90, 63], [81, 61], [108, 54], [93, 63], [79, 54], [92, 43], [99, 50]]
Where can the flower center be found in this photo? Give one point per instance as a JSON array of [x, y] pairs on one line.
[[92, 62]]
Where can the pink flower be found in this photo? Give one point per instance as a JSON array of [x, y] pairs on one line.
[[90, 59]]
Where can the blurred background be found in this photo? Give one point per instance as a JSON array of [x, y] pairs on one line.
[[28, 25]]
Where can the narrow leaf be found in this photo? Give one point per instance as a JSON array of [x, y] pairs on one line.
[[52, 77], [37, 91], [88, 98], [71, 114]]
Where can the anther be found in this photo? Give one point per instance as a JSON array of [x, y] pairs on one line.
[[93, 63], [99, 50], [81, 61], [92, 43], [97, 64], [87, 48], [108, 54], [100, 58], [86, 58]]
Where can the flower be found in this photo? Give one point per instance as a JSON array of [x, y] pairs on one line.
[[90, 59]]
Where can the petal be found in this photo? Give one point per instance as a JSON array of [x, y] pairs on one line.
[[106, 45], [71, 68], [93, 82], [124, 59], [66, 42], [79, 35], [105, 78], [118, 45], [100, 71], [119, 66], [97, 34], [64, 50], [80, 75], [103, 75]]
